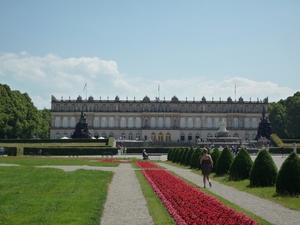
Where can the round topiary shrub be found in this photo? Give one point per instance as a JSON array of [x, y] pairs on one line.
[[195, 159], [214, 156], [264, 171], [241, 166], [224, 162], [288, 179]]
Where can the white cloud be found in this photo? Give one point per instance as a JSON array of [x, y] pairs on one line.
[[53, 75]]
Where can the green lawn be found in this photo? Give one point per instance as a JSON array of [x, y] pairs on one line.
[[51, 196]]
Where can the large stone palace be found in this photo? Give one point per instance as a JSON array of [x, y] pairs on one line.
[[157, 120]]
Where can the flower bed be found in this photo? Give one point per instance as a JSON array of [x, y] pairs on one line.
[[186, 203]]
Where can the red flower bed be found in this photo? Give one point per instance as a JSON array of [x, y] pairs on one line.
[[186, 203], [107, 160]]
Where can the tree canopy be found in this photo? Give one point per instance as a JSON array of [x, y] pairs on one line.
[[19, 118], [285, 117]]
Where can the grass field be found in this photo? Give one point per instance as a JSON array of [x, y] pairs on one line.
[[50, 196]]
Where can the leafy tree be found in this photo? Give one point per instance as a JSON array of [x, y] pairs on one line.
[[264, 171], [241, 166], [288, 179], [224, 162], [293, 116], [19, 118], [277, 117]]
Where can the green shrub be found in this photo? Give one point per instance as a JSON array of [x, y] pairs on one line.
[[189, 156], [288, 179], [241, 166], [175, 155], [214, 156], [183, 156], [170, 154], [264, 171], [195, 159], [181, 151], [224, 162]]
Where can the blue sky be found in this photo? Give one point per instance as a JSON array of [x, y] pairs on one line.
[[128, 48]]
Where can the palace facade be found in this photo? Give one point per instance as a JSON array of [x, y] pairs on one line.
[[157, 120]]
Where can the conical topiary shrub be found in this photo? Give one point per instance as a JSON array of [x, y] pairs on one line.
[[224, 162], [170, 154], [241, 166], [214, 156], [288, 179], [264, 171], [189, 156], [182, 157], [175, 155], [195, 159]]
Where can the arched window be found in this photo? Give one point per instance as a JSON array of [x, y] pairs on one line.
[[96, 122], [123, 122], [65, 121], [235, 122], [160, 137], [160, 122], [130, 136], [72, 121], [168, 137], [168, 122], [247, 123], [152, 122], [111, 122], [153, 137], [103, 122], [182, 122], [138, 136], [190, 122], [138, 122], [197, 123], [208, 122], [57, 122], [130, 122], [216, 122], [182, 137], [190, 137], [254, 123]]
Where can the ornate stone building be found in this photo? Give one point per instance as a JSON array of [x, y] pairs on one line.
[[157, 120]]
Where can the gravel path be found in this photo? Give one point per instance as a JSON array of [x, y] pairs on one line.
[[125, 202], [270, 211]]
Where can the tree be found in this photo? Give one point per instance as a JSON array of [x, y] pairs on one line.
[[277, 117], [293, 116]]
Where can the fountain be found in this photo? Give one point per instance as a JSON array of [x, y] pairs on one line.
[[81, 129]]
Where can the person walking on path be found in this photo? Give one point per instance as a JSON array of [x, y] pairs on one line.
[[282, 152], [206, 164]]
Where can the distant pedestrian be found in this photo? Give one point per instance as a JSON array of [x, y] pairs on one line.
[[282, 152], [40, 152], [295, 147], [145, 155], [206, 164]]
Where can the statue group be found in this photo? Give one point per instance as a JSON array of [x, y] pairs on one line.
[[81, 129], [264, 128]]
